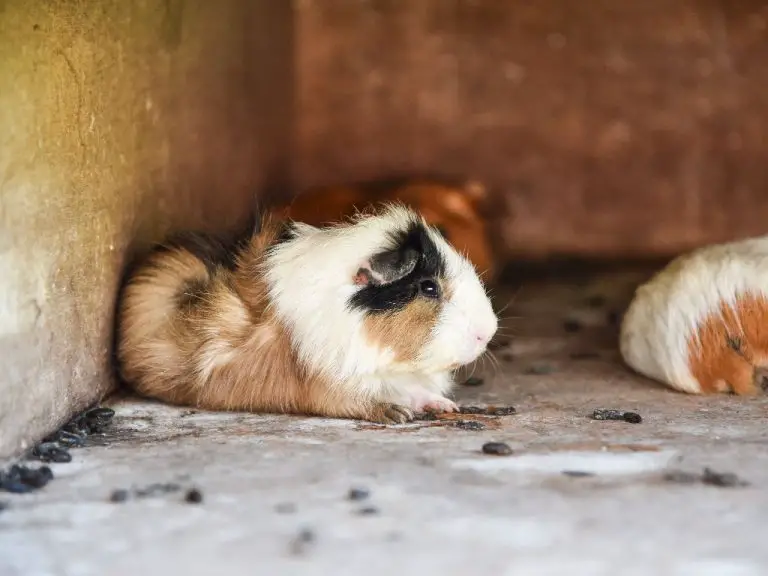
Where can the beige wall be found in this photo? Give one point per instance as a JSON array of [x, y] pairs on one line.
[[118, 121]]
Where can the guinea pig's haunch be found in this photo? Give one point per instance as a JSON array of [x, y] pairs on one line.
[[364, 319], [701, 324]]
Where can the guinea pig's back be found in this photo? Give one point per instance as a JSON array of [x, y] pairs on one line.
[[150, 308]]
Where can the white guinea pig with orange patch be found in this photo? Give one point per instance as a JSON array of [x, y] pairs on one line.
[[364, 319], [701, 324]]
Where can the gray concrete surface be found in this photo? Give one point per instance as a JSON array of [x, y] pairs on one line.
[[443, 506]]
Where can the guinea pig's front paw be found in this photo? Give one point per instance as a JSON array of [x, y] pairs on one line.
[[432, 402], [425, 401], [388, 413]]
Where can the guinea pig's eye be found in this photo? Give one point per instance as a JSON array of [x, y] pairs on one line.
[[429, 288]]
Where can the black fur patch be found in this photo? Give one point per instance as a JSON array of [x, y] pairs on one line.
[[378, 298]]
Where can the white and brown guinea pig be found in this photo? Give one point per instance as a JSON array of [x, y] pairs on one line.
[[365, 319], [701, 324]]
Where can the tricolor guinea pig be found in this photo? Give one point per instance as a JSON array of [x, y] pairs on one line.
[[457, 211], [701, 324], [365, 319]]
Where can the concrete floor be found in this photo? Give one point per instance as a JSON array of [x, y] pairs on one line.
[[275, 488]]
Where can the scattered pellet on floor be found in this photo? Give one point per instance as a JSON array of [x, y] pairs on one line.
[[571, 325], [119, 495], [368, 511], [603, 414], [193, 496], [497, 449], [68, 439], [472, 410], [357, 494], [469, 425], [577, 473], [473, 381], [19, 479], [539, 369], [51, 452], [722, 479], [709, 477], [632, 417], [285, 508]]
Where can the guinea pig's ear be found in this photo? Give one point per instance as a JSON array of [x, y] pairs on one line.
[[387, 267]]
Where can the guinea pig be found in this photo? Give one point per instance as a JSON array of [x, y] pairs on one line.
[[366, 319], [458, 211], [700, 325]]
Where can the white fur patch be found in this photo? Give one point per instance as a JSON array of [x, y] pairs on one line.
[[666, 311], [310, 283]]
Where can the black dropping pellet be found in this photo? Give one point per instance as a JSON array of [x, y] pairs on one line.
[[50, 452], [35, 477], [497, 448], [722, 479], [632, 417], [368, 511], [472, 410], [119, 495], [473, 381], [577, 473], [572, 326], [69, 439], [356, 494], [469, 425], [193, 496], [603, 414]]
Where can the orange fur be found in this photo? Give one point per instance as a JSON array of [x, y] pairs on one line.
[[405, 331], [456, 210], [732, 347], [188, 336]]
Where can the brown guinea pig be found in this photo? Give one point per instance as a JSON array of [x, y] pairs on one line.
[[457, 211]]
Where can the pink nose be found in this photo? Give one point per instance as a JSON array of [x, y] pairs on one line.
[[482, 338]]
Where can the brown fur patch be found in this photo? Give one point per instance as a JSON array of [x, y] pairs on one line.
[[190, 336], [733, 347], [404, 331]]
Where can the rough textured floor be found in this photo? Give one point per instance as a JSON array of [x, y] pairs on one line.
[[275, 489]]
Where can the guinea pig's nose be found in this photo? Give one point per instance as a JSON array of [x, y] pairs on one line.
[[482, 338]]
